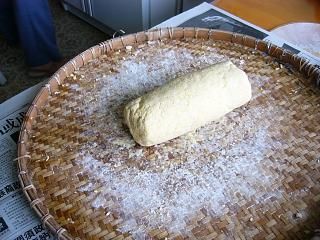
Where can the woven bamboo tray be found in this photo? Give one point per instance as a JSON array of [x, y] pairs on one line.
[[252, 175]]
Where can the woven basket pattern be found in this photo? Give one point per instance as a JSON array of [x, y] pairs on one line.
[[56, 129]]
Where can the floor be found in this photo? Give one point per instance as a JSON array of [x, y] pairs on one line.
[[73, 36]]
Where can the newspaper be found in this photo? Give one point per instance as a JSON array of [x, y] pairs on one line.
[[206, 15], [17, 219]]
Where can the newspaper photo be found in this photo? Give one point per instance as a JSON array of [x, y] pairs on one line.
[[214, 19]]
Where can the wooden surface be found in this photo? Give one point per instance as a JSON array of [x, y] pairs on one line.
[[272, 13]]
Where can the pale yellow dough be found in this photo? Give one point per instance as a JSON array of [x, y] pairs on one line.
[[187, 103]]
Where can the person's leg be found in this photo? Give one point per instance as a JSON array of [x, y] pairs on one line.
[[36, 32], [7, 28], [7, 22]]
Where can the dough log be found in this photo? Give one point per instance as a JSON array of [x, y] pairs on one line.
[[187, 103]]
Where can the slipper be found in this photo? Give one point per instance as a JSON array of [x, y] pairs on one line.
[[46, 70], [35, 73]]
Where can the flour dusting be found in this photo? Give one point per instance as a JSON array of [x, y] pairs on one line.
[[203, 173], [168, 194]]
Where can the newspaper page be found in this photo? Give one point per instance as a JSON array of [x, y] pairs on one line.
[[208, 16], [17, 219]]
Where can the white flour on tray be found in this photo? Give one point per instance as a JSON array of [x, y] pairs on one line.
[[219, 164]]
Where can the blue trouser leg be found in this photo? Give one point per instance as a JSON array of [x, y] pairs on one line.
[[36, 31], [7, 22]]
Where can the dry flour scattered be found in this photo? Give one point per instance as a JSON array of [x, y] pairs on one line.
[[208, 170]]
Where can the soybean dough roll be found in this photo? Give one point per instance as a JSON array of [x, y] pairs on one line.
[[187, 103]]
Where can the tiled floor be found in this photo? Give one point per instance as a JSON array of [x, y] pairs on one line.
[[73, 35]]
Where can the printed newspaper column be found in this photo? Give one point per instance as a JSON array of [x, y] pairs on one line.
[[17, 219]]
